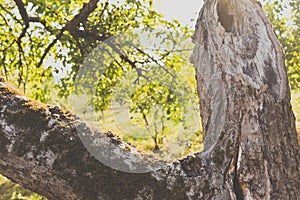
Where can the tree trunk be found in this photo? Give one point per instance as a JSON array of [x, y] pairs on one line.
[[251, 149]]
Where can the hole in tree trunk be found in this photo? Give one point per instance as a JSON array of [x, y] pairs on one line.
[[225, 18]]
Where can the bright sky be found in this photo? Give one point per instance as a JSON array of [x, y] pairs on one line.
[[183, 10]]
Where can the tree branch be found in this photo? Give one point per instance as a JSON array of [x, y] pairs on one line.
[[71, 26], [48, 48], [22, 11], [86, 10], [42, 149], [11, 14]]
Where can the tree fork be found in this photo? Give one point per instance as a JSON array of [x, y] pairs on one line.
[[251, 149]]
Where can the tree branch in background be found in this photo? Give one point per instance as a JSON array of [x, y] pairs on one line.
[[12, 15], [71, 26], [22, 11], [61, 33]]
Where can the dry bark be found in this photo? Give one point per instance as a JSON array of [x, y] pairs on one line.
[[251, 149]]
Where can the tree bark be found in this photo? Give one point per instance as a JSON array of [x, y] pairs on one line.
[[251, 149]]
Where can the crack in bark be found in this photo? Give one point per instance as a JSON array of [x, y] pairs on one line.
[[268, 184], [237, 187]]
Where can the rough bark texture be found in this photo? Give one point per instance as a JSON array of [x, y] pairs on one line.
[[251, 149], [245, 101]]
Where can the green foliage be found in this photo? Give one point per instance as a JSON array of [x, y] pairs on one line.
[[20, 51], [149, 77], [12, 191]]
